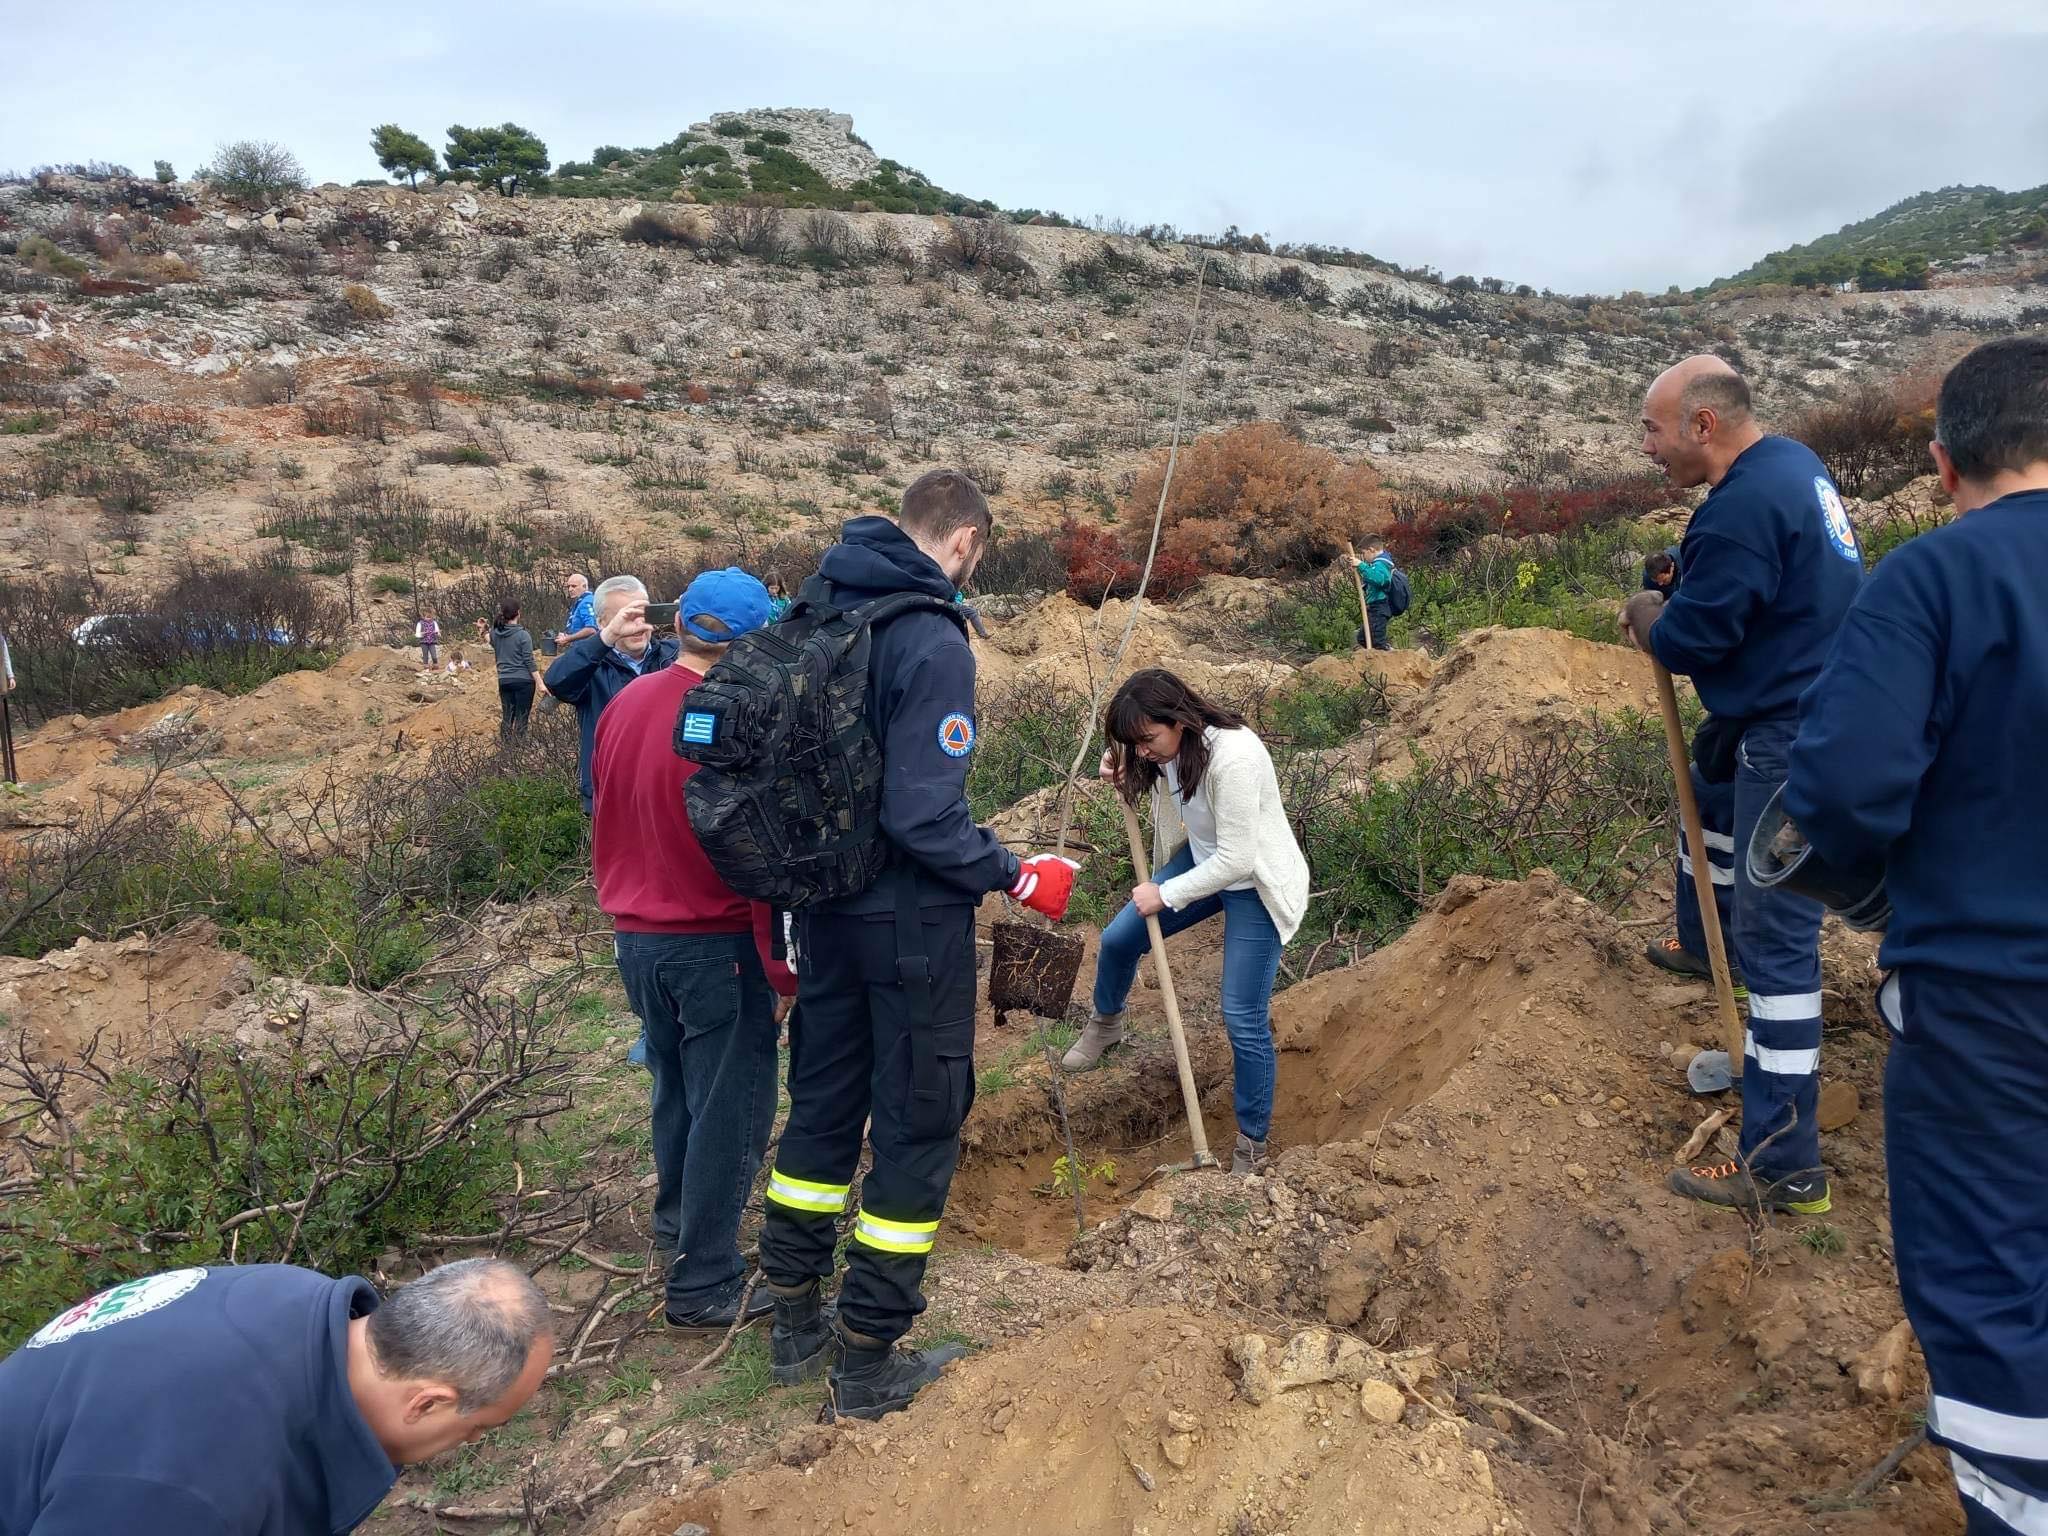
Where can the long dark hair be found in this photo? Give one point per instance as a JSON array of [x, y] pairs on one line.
[[508, 613], [1155, 696]]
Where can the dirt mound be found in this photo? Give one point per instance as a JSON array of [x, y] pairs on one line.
[[132, 990], [1403, 672], [1520, 683], [1128, 1422], [1476, 1123], [371, 705]]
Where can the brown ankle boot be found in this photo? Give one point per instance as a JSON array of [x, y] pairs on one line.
[[1103, 1031]]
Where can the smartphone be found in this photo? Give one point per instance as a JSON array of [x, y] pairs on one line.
[[662, 615]]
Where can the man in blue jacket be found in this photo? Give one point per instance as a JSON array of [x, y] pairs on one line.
[[882, 1038], [1768, 566], [593, 670], [1920, 755], [264, 1400]]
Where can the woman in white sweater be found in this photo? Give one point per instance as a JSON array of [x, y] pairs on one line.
[[1211, 779]]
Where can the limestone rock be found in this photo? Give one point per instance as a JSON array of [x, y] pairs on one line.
[[1881, 1369], [1381, 1402], [1839, 1104]]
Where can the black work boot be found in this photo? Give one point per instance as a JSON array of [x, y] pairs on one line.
[[800, 1340], [871, 1378]]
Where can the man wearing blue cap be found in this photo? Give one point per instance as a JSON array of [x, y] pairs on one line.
[[694, 957]]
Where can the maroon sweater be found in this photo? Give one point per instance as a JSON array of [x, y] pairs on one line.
[[652, 876]]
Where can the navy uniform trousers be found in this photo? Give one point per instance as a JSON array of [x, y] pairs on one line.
[[1777, 945], [1717, 830], [868, 1052], [1966, 1145]]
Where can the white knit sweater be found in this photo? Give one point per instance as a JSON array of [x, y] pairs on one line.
[[1253, 839]]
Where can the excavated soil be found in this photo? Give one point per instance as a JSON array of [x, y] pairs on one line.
[[1129, 1422], [1516, 684], [127, 993]]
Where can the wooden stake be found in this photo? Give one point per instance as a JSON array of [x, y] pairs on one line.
[[1189, 1098]]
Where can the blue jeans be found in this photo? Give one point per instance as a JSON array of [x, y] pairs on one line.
[[1251, 959], [710, 1020]]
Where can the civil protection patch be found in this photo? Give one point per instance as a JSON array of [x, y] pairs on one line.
[[699, 728], [117, 1304], [1835, 516], [956, 735]]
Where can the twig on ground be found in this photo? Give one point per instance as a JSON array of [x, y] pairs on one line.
[[1702, 1134], [1880, 1474], [1509, 1405]]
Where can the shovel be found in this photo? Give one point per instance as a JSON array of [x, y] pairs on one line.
[[1711, 1071], [1189, 1098]]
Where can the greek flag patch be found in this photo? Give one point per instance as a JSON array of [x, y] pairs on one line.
[[699, 728]]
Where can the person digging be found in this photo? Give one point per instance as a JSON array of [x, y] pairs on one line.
[[1208, 772]]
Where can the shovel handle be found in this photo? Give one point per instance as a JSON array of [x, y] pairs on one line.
[[1358, 581], [1189, 1098], [1702, 867]]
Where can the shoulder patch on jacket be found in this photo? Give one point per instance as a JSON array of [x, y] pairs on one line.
[[956, 735], [1835, 517]]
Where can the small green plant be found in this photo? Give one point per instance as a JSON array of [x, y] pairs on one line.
[[1822, 1240], [1070, 1176], [397, 585]]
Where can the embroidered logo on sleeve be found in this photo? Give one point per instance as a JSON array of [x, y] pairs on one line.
[[1841, 532], [956, 735], [117, 1305]]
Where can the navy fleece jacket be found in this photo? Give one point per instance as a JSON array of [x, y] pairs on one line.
[[197, 1402], [1769, 565], [1922, 745], [921, 708]]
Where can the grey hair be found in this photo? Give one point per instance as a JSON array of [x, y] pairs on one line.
[[469, 1325], [1726, 394], [631, 585]]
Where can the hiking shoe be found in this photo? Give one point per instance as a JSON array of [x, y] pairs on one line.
[[1248, 1156], [800, 1343], [1674, 957], [718, 1316], [1728, 1184], [1103, 1031], [870, 1378]]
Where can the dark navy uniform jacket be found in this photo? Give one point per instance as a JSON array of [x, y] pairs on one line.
[[198, 1402], [1768, 567], [589, 675], [921, 708], [1924, 745]]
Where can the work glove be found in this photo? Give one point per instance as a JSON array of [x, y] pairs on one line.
[[1045, 882]]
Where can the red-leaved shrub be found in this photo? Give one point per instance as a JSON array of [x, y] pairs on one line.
[[1442, 525], [1099, 566]]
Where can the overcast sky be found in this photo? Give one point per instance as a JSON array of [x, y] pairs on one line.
[[1596, 145]]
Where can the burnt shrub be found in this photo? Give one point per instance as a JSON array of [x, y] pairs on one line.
[[1873, 440]]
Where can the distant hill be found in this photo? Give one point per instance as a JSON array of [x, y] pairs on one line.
[[1893, 249], [802, 157]]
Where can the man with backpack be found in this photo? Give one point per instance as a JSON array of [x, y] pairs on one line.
[[835, 747], [1386, 597]]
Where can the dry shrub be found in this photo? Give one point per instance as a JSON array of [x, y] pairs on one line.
[[1874, 440], [1258, 501], [1098, 565], [364, 304]]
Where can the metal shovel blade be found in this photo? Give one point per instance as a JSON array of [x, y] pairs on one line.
[[1710, 1073]]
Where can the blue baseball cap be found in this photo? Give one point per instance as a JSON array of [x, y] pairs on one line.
[[731, 596]]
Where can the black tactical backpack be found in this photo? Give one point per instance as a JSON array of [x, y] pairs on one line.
[[787, 799]]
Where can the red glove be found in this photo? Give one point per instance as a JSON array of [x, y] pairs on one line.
[[1044, 883]]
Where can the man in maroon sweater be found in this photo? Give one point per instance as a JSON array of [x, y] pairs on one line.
[[695, 961]]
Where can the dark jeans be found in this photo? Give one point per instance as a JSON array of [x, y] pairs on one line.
[[1378, 615], [515, 704], [710, 1021], [1251, 959]]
